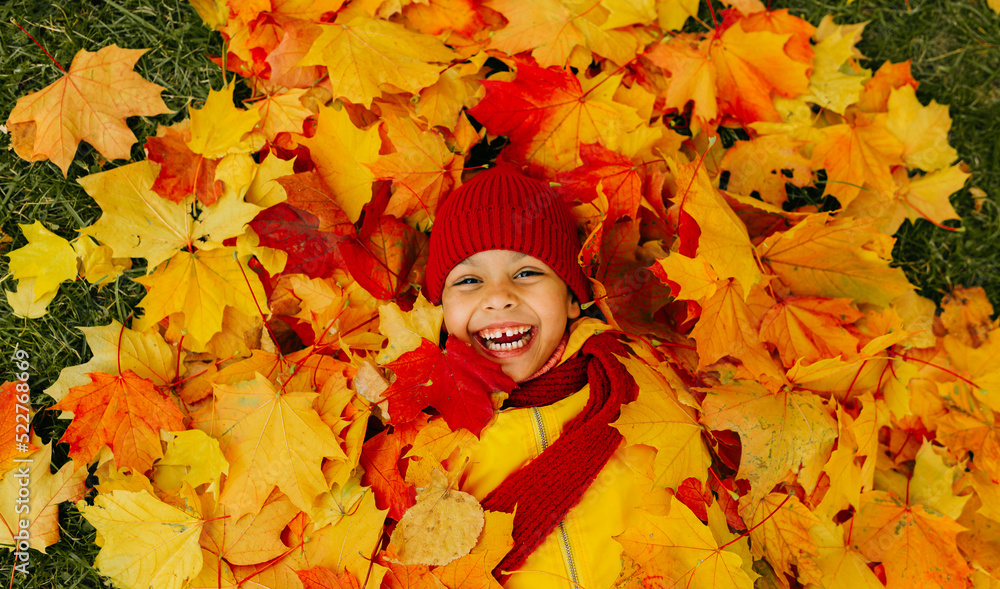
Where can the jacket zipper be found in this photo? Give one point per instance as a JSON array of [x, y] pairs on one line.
[[563, 533]]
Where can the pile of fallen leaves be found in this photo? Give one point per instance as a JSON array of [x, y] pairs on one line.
[[814, 421]]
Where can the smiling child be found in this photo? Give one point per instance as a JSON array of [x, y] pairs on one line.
[[503, 264]]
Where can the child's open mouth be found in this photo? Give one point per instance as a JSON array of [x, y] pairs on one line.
[[505, 339]]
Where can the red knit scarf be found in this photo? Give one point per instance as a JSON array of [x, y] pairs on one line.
[[546, 488]]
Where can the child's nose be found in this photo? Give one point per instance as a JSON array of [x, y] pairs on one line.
[[499, 297]]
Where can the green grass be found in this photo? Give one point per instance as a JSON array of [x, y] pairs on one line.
[[954, 46]]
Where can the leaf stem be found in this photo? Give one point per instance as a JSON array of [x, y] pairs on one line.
[[39, 46], [758, 524]]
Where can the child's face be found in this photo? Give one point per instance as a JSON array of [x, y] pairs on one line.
[[496, 291]]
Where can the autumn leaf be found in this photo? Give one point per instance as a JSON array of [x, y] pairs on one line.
[[680, 550], [780, 529], [790, 432], [381, 457], [251, 538], [365, 56], [619, 178], [551, 30], [764, 165], [138, 222], [47, 258], [323, 578], [340, 152], [421, 168], [124, 413], [271, 439], [916, 546], [858, 155], [718, 235], [90, 103], [192, 457], [442, 526], [200, 286], [311, 250], [457, 382], [47, 491], [658, 419], [146, 543], [730, 327], [113, 346], [406, 330], [548, 114], [843, 258], [808, 329], [383, 255], [182, 171]]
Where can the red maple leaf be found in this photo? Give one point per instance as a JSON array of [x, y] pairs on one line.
[[296, 232], [384, 469], [457, 382], [182, 171], [384, 252], [619, 177]]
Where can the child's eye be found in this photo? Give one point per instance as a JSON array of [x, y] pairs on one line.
[[527, 273], [466, 280]]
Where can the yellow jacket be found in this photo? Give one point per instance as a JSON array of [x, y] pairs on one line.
[[581, 551]]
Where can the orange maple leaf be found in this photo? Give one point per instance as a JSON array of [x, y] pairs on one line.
[[125, 413], [549, 113], [916, 546], [90, 103]]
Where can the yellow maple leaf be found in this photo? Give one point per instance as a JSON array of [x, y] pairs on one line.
[[780, 531], [146, 542], [340, 151], [421, 167], [672, 14], [366, 56], [807, 329], [347, 544], [199, 286], [782, 434], [271, 439], [917, 547], [760, 165], [405, 330], [858, 155], [457, 88], [47, 258], [552, 29], [191, 457], [679, 550], [723, 241], [138, 223], [841, 259], [923, 130], [220, 128], [728, 327], [251, 538], [46, 491], [113, 345], [658, 419], [282, 113], [836, 82], [695, 276], [90, 103], [97, 262], [926, 196]]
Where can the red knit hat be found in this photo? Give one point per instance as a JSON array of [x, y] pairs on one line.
[[502, 209]]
